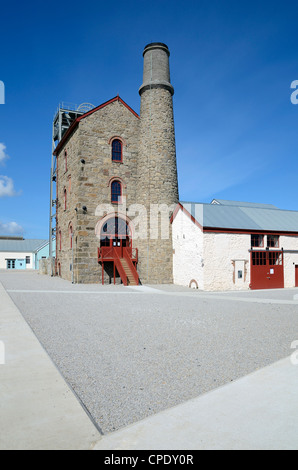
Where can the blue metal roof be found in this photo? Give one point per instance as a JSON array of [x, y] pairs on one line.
[[21, 246], [240, 217]]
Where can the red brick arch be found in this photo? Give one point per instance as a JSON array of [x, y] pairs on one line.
[[118, 138], [117, 178]]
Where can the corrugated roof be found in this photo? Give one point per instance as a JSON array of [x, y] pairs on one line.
[[243, 204], [243, 218], [21, 246]]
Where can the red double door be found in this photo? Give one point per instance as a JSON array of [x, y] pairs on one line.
[[296, 275], [267, 270]]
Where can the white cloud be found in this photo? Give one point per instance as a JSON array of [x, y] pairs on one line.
[[3, 154], [6, 187], [11, 228]]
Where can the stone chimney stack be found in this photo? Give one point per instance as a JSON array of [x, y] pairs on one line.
[[157, 168], [156, 68]]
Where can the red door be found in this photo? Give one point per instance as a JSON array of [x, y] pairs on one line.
[[267, 270], [296, 275]]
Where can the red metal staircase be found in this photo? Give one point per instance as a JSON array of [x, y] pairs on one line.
[[124, 260], [126, 269]]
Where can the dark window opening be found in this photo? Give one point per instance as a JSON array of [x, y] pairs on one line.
[[65, 160], [257, 241], [65, 199], [275, 259], [259, 258], [273, 241], [117, 150], [116, 192]]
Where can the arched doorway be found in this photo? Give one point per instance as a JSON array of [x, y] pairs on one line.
[[115, 232], [116, 254]]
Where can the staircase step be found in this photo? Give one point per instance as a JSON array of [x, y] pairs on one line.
[[128, 272]]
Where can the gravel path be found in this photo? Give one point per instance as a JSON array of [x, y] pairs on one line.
[[129, 354]]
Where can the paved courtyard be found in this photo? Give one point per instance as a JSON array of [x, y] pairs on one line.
[[131, 352]]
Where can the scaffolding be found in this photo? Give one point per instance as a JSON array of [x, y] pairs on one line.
[[65, 115]]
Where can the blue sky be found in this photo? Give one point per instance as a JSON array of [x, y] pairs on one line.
[[232, 65]]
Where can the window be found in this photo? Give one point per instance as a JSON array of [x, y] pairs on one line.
[[273, 241], [70, 234], [275, 258], [28, 259], [117, 150], [65, 159], [257, 241], [115, 228], [65, 199], [11, 264], [116, 192], [60, 240], [259, 258]]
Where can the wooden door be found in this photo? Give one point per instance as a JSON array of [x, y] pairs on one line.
[[267, 270]]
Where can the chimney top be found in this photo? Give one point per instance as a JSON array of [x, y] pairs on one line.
[[156, 45], [156, 71]]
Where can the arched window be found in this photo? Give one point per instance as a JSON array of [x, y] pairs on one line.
[[115, 228], [65, 199], [65, 159], [116, 192], [70, 229], [117, 150], [60, 240]]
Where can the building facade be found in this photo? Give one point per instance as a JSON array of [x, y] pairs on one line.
[[16, 253], [230, 245], [118, 215], [113, 168]]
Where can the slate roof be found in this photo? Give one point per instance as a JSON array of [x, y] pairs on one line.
[[21, 246], [243, 216]]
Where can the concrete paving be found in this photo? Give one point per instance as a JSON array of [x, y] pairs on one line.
[[37, 408], [39, 411], [257, 412]]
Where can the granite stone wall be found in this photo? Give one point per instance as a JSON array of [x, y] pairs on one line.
[[148, 175]]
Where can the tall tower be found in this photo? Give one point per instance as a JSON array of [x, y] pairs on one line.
[[157, 168]]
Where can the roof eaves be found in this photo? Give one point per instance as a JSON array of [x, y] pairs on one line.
[[76, 122]]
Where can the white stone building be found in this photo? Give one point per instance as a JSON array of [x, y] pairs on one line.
[[229, 245]]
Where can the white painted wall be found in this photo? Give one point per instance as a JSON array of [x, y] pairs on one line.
[[225, 255], [188, 251], [290, 259], [13, 255], [214, 259]]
